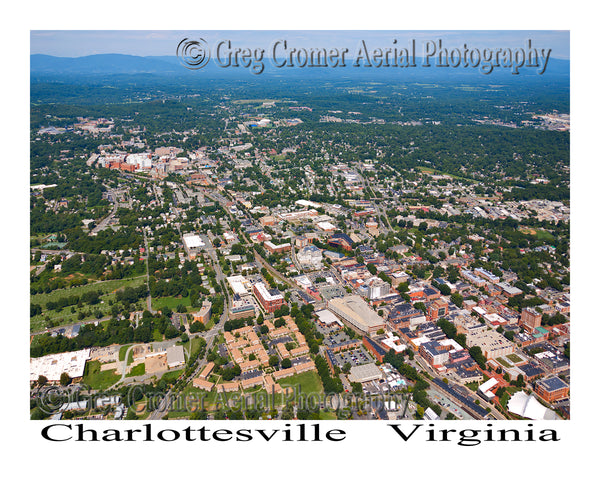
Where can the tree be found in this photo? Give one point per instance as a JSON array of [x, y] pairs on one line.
[[41, 381], [356, 388], [478, 356], [457, 299], [280, 322], [171, 332], [65, 379], [286, 363], [197, 327], [273, 360]]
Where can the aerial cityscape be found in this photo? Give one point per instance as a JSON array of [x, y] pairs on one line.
[[316, 244]]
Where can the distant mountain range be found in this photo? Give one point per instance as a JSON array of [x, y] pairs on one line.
[[111, 63], [118, 64]]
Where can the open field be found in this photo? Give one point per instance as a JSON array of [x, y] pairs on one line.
[[97, 379], [65, 316], [139, 369], [305, 382], [171, 302]]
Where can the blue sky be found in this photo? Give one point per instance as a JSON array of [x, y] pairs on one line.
[[76, 43]]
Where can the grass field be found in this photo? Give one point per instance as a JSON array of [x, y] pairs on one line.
[[171, 376], [306, 382], [327, 415], [171, 302], [122, 352], [139, 369], [544, 236], [157, 336], [65, 316], [97, 379]]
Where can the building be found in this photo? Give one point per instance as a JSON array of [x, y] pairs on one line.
[[203, 384], [436, 309], [552, 389], [527, 406], [341, 240], [206, 371], [175, 356], [239, 285], [405, 315], [492, 343], [378, 289], [372, 346], [489, 276], [204, 314], [53, 366], [272, 248], [365, 373], [192, 244], [267, 221], [435, 353], [310, 257], [270, 300], [471, 277], [530, 319], [357, 313]]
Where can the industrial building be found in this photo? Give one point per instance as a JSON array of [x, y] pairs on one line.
[[357, 313]]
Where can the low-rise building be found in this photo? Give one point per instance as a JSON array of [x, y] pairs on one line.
[[552, 389]]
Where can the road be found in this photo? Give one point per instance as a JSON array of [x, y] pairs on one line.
[[149, 299], [163, 408], [424, 366], [382, 226], [104, 222]]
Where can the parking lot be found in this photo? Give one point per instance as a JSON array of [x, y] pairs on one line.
[[355, 357]]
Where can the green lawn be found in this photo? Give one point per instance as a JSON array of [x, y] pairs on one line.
[[472, 386], [514, 358], [139, 369], [122, 352], [503, 362], [544, 235], [171, 376], [306, 382], [327, 415], [97, 379], [171, 302]]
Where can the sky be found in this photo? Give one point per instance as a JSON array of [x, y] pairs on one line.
[[77, 43]]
